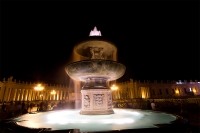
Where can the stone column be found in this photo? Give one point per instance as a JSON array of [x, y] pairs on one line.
[[9, 94], [34, 95], [64, 95], [4, 94], [20, 94], [60, 95], [14, 94], [30, 95], [25, 95], [44, 95]]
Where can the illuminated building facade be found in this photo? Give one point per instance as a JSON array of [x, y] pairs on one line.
[[11, 90], [20, 91], [170, 89]]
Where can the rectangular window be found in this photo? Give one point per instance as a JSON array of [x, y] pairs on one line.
[[167, 91], [160, 91], [173, 91], [185, 90], [153, 92]]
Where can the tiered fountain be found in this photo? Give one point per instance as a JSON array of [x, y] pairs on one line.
[[95, 72], [95, 68]]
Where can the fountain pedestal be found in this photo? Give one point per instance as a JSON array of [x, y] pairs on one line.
[[96, 101]]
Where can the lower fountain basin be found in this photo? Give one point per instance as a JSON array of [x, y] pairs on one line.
[[86, 69], [71, 119]]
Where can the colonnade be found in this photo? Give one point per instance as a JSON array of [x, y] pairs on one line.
[[16, 91], [17, 94], [134, 89]]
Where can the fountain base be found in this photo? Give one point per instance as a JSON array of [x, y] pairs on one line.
[[96, 102]]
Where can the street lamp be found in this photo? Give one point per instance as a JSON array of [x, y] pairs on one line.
[[53, 92], [194, 90], [39, 88], [113, 87], [177, 91]]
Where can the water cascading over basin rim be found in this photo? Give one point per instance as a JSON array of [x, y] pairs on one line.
[[82, 70]]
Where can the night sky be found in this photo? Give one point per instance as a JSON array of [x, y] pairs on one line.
[[155, 39]]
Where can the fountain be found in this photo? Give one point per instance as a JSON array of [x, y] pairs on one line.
[[95, 73], [95, 68]]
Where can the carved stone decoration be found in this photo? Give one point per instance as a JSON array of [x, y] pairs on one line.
[[86, 102], [109, 101], [95, 102], [98, 100], [96, 52]]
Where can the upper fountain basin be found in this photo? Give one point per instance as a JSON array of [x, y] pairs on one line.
[[83, 47], [86, 69]]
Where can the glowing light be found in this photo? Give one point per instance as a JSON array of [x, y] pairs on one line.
[[114, 87], [177, 91], [121, 119], [53, 92], [39, 87], [194, 90]]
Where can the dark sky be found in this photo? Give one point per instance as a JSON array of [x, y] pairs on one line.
[[155, 39]]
